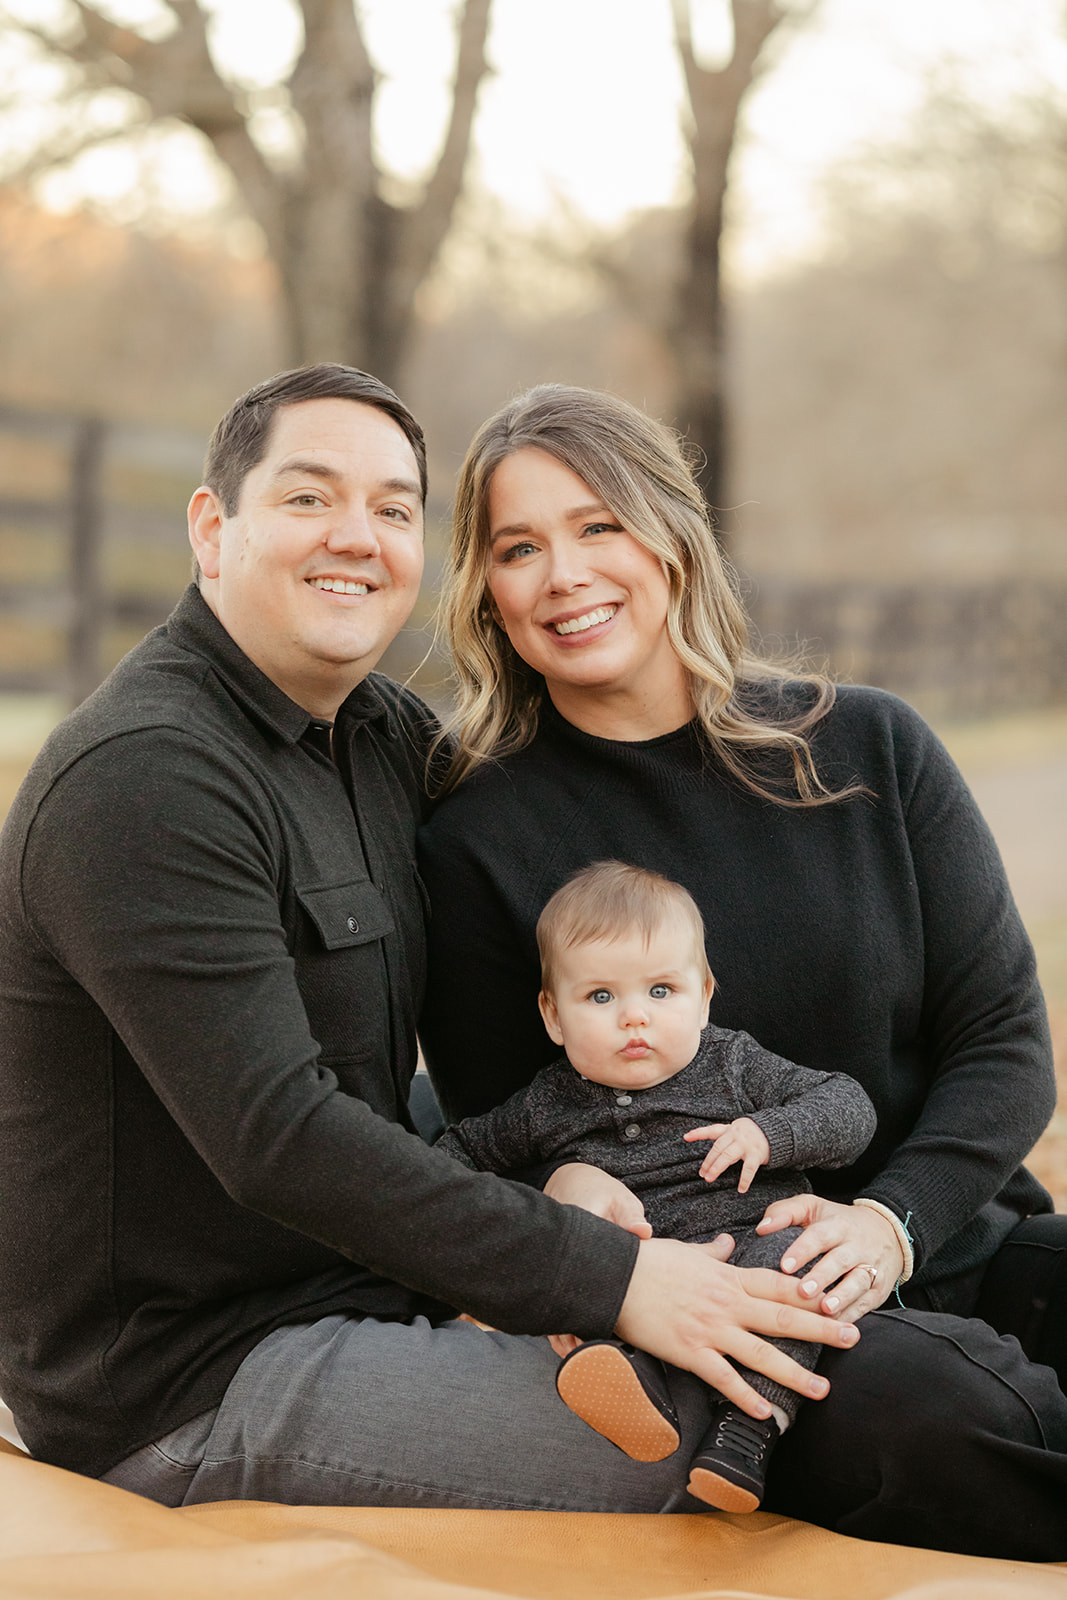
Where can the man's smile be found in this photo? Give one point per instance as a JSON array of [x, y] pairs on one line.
[[340, 585]]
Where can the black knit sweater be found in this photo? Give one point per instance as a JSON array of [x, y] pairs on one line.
[[875, 936]]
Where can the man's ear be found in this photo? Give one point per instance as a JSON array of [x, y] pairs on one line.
[[205, 529], [550, 1016]]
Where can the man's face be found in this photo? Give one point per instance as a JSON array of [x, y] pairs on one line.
[[318, 570]]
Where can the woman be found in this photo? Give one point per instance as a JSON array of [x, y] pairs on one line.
[[858, 920]]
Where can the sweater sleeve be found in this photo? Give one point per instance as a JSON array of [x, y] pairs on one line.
[[810, 1118], [991, 1085], [502, 1140], [153, 881]]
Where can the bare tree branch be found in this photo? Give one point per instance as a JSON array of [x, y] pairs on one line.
[[428, 222], [70, 142], [350, 263], [697, 331]]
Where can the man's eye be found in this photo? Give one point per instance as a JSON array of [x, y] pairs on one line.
[[306, 500], [600, 997], [660, 991]]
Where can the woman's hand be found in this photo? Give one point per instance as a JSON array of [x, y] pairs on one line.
[[849, 1239], [577, 1184], [689, 1306]]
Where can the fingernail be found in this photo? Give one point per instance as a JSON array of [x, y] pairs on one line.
[[832, 1303], [789, 1264], [849, 1335], [811, 1287], [765, 1410], [818, 1387]]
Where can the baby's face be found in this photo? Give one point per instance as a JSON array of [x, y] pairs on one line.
[[629, 1014]]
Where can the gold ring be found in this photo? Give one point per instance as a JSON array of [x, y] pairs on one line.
[[865, 1266]]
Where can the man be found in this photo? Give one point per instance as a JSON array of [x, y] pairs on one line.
[[229, 1263]]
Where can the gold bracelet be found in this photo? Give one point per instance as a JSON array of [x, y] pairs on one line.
[[900, 1229]]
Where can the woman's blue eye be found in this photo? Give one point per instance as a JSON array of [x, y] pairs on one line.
[[515, 551], [659, 991], [600, 997]]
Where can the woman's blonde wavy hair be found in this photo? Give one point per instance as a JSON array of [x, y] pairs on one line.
[[639, 470]]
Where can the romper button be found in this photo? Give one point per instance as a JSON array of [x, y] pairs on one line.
[[353, 925], [623, 1099], [632, 1130]]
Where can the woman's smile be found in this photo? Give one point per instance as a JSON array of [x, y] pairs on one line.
[[569, 626]]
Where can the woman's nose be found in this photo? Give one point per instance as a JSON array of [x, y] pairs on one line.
[[567, 570]]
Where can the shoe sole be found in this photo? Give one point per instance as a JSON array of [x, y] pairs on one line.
[[720, 1492], [600, 1386]]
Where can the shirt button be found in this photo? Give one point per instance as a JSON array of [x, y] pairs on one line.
[[353, 925], [623, 1099], [632, 1130]]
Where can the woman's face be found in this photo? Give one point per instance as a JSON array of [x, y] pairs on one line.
[[582, 601]]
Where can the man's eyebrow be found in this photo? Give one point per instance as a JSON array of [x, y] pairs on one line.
[[575, 514], [308, 467]]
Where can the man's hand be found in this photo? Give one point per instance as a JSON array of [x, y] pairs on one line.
[[689, 1306], [849, 1240], [741, 1140], [578, 1184]]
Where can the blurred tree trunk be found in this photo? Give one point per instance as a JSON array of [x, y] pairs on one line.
[[350, 262], [696, 329]]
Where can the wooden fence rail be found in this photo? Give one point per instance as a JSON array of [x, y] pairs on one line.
[[104, 494]]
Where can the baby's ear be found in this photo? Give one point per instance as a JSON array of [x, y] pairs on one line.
[[709, 990], [550, 1016]]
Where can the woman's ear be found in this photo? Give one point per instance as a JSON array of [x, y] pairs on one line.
[[550, 1016], [205, 529]]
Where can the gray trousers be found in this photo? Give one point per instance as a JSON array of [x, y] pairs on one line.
[[349, 1411]]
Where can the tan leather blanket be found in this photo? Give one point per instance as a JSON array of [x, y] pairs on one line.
[[63, 1537]]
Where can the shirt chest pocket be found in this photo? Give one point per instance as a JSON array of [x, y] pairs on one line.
[[341, 969]]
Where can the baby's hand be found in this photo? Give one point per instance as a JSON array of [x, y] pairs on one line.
[[741, 1140]]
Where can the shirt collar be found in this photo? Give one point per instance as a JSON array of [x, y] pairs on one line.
[[194, 625]]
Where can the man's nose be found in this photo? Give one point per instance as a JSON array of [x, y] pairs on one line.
[[353, 530]]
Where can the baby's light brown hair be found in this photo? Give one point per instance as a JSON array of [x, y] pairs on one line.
[[607, 900]]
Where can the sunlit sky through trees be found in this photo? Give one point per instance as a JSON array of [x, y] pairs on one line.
[[582, 111]]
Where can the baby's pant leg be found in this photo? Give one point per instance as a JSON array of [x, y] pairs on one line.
[[752, 1249]]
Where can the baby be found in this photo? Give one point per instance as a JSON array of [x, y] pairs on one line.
[[625, 991]]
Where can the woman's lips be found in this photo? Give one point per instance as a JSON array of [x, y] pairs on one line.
[[567, 627]]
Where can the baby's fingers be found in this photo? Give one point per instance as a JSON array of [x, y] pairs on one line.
[[717, 1160], [712, 1131], [749, 1168]]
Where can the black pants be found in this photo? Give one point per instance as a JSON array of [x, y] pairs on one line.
[[947, 1432]]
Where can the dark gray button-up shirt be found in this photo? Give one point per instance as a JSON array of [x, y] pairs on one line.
[[211, 961]]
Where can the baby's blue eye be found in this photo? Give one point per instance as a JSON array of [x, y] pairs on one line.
[[659, 991], [600, 997]]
